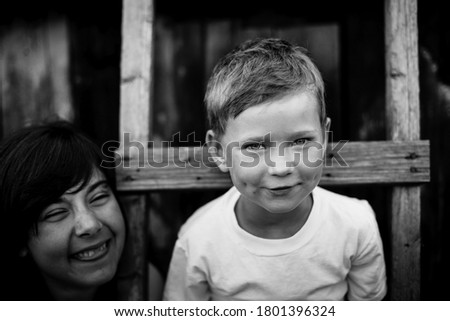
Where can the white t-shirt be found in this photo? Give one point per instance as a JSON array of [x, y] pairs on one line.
[[336, 255]]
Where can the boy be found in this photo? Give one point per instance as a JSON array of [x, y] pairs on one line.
[[274, 235]]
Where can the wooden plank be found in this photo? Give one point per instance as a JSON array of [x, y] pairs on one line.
[[402, 70], [179, 89], [132, 274], [135, 111], [218, 41], [136, 64], [34, 74], [349, 163], [403, 124]]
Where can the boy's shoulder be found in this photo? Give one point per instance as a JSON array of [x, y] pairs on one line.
[[352, 210], [210, 214], [339, 200]]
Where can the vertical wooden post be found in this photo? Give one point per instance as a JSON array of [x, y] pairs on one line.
[[403, 123], [135, 129]]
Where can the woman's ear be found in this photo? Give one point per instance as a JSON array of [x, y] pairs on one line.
[[216, 151]]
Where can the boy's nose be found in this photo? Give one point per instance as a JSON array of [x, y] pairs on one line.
[[281, 163], [87, 223]]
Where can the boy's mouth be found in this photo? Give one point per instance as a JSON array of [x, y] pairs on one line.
[[281, 188]]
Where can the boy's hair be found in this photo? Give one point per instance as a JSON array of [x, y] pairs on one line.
[[260, 71], [40, 163]]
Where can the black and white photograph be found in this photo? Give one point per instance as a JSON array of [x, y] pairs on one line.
[[259, 151]]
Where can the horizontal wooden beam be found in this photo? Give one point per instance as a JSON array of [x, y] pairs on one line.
[[350, 163]]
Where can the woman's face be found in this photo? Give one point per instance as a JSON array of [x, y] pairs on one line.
[[80, 237]]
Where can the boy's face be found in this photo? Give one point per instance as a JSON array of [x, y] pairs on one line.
[[274, 152]]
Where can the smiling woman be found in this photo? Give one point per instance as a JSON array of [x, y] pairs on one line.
[[63, 231]]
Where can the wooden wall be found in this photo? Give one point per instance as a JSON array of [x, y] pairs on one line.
[[61, 60], [34, 63]]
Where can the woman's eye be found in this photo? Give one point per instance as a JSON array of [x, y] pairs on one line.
[[55, 215], [100, 199]]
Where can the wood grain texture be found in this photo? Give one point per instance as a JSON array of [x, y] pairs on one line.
[[132, 272], [136, 65], [402, 70], [403, 124], [405, 244], [346, 164], [135, 111], [34, 74]]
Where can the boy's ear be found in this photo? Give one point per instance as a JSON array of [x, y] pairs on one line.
[[328, 124], [216, 151], [327, 129]]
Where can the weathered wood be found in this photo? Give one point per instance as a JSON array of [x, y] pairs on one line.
[[403, 124], [218, 41], [178, 98], [405, 244], [346, 164], [402, 70], [34, 74], [136, 64], [135, 111], [132, 273]]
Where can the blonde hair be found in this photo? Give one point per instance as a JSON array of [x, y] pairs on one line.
[[260, 71]]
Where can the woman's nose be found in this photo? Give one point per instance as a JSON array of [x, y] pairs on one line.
[[87, 222]]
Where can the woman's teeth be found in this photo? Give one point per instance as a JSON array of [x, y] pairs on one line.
[[91, 254]]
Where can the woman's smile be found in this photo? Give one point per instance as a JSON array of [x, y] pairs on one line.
[[92, 253], [80, 237]]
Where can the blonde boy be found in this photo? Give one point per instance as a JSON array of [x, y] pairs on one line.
[[274, 235]]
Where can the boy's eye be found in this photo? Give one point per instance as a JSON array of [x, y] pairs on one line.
[[253, 146], [301, 141], [55, 215]]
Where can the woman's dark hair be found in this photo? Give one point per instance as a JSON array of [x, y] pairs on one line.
[[37, 165]]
